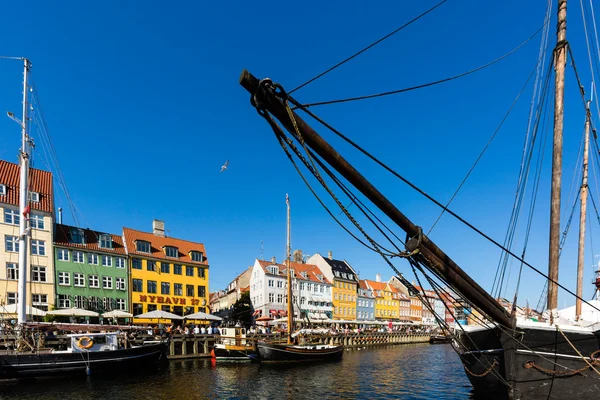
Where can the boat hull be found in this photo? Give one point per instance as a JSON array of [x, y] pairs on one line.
[[34, 365], [541, 365], [234, 353], [291, 353]]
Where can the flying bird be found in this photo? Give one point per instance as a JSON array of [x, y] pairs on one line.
[[224, 166]]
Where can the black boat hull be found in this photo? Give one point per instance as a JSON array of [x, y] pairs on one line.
[[291, 353], [541, 365], [34, 365]]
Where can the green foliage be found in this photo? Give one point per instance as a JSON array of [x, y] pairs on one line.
[[242, 310], [50, 318]]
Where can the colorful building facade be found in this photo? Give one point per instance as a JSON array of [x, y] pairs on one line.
[[365, 305], [40, 258], [387, 300], [165, 273], [91, 270], [345, 284]]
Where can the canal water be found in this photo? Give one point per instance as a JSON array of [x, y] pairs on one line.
[[417, 371]]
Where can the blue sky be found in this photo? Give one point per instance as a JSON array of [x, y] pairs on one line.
[[143, 105]]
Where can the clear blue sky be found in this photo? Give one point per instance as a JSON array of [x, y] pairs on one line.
[[143, 105]]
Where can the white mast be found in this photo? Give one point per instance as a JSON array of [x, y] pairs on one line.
[[23, 201]]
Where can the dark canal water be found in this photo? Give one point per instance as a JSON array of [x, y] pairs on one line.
[[397, 372]]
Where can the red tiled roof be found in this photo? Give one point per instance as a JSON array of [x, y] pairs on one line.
[[39, 181], [363, 284], [311, 271], [157, 244], [92, 239], [376, 285]]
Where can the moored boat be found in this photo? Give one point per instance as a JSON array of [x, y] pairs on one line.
[[294, 353], [234, 346]]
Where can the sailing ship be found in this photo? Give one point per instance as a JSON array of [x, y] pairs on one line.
[[291, 351], [504, 356], [86, 353]]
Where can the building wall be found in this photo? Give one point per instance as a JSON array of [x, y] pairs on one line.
[[365, 306], [43, 290], [344, 299], [387, 305], [315, 301], [416, 309], [142, 300], [118, 297]]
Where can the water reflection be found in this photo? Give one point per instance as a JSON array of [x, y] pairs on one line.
[[395, 372]]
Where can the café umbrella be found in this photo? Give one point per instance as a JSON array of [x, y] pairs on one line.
[[201, 316], [158, 314], [12, 309], [117, 314], [73, 312]]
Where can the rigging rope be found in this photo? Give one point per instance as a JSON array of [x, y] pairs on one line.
[[368, 47]]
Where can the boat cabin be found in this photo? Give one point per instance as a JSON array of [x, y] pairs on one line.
[[92, 342], [233, 336]]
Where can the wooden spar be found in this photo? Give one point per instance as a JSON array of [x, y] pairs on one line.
[[432, 256], [288, 250], [560, 59], [583, 214]]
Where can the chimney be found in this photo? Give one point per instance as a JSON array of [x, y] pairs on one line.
[[273, 260], [298, 256], [60, 215], [378, 278], [330, 255], [158, 228]]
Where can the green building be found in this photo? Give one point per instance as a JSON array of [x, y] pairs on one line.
[[91, 269]]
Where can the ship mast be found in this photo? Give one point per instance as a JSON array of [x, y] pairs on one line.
[[23, 202], [582, 213], [560, 60], [290, 305]]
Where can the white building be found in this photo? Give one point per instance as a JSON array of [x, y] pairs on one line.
[[268, 289]]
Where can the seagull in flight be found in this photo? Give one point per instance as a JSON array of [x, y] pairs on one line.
[[224, 166]]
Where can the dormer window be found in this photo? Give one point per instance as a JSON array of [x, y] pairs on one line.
[[304, 274], [106, 241], [77, 236], [34, 197], [293, 272], [196, 256], [320, 277], [171, 251], [2, 189], [142, 246], [274, 270]]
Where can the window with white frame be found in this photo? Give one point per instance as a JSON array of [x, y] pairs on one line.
[[142, 246], [78, 279], [120, 282], [40, 301], [171, 251], [11, 243], [64, 278], [119, 262], [11, 298], [280, 298], [106, 241], [271, 297], [93, 281], [271, 283], [2, 189], [34, 197], [64, 301], [12, 271], [11, 216], [38, 247], [107, 303], [77, 236], [280, 284], [106, 261], [120, 304], [62, 254], [92, 259], [36, 221], [80, 301], [197, 256], [78, 257], [38, 273], [107, 282]]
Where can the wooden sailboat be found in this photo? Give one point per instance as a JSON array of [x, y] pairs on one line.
[[282, 352], [84, 353], [508, 357]]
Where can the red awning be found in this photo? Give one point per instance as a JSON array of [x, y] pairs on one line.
[[273, 312], [255, 313], [282, 313]]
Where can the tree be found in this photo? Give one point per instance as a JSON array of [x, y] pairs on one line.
[[242, 310]]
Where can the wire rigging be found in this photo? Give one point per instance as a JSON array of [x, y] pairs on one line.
[[369, 46]]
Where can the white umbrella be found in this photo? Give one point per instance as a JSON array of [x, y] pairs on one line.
[[158, 314], [12, 309], [203, 317], [73, 312], [117, 314]]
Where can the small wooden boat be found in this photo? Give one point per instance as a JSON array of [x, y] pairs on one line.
[[439, 339], [294, 353], [233, 346]]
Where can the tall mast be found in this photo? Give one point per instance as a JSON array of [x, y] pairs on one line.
[[288, 250], [560, 59], [23, 201], [582, 213]]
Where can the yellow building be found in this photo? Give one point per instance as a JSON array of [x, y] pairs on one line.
[[387, 300], [345, 285], [165, 273]]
